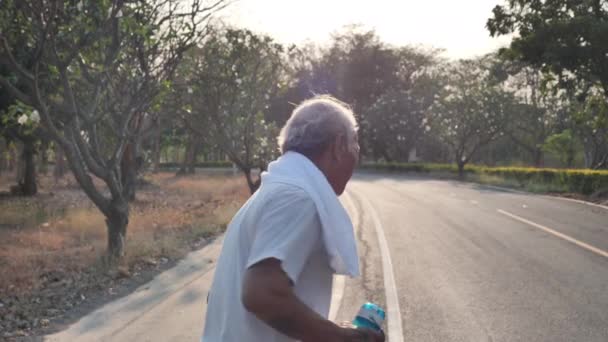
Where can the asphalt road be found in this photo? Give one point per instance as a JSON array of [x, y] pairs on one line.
[[467, 263], [472, 263]]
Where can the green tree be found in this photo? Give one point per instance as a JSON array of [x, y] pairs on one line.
[[299, 82], [563, 38], [471, 110], [236, 75], [564, 146], [537, 114], [396, 121], [591, 123], [357, 68], [19, 122], [25, 133]]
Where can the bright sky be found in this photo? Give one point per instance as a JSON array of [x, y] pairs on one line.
[[458, 26]]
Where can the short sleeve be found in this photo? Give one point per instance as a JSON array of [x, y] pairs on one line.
[[288, 230]]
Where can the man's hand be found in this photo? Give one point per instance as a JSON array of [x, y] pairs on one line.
[[363, 335]]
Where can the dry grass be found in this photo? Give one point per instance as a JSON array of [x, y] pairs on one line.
[[65, 233]]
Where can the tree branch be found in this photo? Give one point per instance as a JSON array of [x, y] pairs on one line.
[[21, 96], [90, 158], [85, 181], [28, 76], [123, 135]]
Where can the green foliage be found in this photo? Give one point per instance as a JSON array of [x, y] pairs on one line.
[[19, 121], [580, 181], [563, 145], [396, 121], [591, 123], [564, 38], [361, 67], [471, 110], [229, 83], [538, 112], [368, 74], [21, 114]]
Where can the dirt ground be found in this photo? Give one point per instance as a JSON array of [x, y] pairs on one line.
[[52, 245]]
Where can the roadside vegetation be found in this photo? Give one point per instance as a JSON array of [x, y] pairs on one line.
[[585, 184], [52, 246]]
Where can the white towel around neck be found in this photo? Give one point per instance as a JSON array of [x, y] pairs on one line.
[[338, 235]]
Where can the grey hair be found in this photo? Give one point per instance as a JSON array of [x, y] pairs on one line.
[[315, 123]]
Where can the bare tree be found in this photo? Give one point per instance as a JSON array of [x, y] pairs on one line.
[[94, 68]]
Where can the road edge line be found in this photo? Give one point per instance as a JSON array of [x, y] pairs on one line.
[[578, 201], [395, 328], [500, 188]]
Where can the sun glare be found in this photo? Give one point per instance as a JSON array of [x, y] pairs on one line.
[[456, 26]]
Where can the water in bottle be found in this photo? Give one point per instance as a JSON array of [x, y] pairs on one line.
[[370, 316]]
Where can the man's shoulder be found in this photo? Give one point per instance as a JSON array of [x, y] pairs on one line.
[[287, 195], [286, 190]]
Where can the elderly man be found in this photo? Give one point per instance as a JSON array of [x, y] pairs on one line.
[[273, 279]]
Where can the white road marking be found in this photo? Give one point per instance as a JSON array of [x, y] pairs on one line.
[[474, 202], [579, 201], [556, 233], [395, 329]]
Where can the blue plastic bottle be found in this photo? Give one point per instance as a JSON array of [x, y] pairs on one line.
[[370, 316]]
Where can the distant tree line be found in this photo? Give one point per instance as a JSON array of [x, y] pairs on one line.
[[109, 88]]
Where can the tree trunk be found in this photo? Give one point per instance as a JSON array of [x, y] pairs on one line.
[[191, 162], [387, 156], [253, 185], [117, 220], [44, 159], [19, 163], [3, 155], [570, 160], [128, 171], [538, 158], [603, 164], [168, 157], [196, 149], [603, 158], [26, 173], [156, 148], [60, 164], [461, 165], [184, 163], [187, 162], [13, 157]]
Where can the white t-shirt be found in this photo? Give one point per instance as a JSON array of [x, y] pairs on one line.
[[279, 221]]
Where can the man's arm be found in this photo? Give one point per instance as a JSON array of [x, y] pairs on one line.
[[268, 294]]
